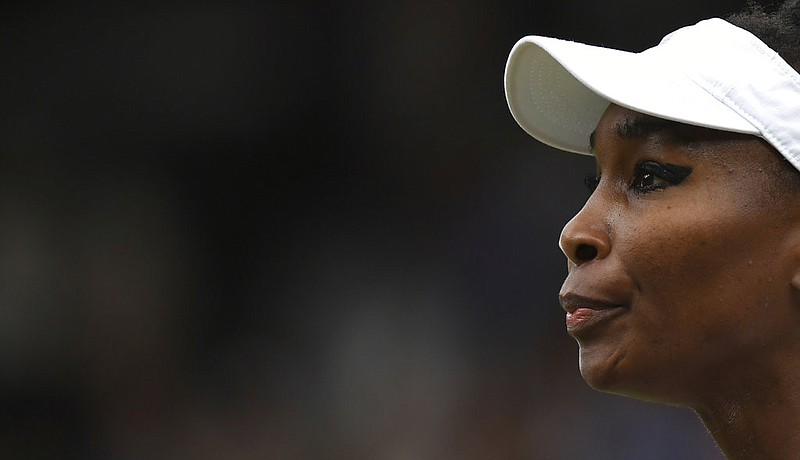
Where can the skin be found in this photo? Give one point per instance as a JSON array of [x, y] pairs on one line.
[[704, 273]]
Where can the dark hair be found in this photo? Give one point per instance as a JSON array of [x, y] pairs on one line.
[[778, 28]]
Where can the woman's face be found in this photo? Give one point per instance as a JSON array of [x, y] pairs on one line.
[[682, 261]]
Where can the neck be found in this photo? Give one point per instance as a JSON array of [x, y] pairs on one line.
[[756, 419]]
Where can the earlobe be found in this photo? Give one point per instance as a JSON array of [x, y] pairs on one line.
[[795, 282], [795, 257]]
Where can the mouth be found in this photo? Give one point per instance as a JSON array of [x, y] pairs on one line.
[[585, 313]]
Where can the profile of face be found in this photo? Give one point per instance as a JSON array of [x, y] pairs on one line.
[[684, 262]]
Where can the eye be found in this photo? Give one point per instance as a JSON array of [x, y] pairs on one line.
[[650, 176], [591, 183]]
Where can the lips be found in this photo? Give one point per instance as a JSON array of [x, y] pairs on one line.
[[586, 313]]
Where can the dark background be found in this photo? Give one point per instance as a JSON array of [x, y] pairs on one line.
[[297, 230]]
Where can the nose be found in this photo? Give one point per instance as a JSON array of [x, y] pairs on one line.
[[586, 237]]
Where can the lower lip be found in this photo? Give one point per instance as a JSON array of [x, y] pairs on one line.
[[584, 319]]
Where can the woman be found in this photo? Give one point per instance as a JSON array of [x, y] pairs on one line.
[[684, 264]]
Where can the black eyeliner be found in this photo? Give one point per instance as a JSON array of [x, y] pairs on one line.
[[669, 172]]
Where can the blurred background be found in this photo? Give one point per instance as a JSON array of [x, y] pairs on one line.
[[297, 230]]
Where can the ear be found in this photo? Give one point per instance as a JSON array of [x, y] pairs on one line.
[[791, 217], [794, 256], [796, 280]]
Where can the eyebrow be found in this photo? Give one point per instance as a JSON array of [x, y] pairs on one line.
[[639, 127]]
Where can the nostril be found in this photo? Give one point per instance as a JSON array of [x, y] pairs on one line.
[[585, 252]]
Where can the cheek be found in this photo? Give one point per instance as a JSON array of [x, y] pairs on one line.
[[700, 272], [695, 241], [669, 250]]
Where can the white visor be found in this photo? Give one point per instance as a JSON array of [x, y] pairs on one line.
[[711, 74]]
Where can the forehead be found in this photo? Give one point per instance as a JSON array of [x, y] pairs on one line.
[[619, 124], [624, 136], [627, 124]]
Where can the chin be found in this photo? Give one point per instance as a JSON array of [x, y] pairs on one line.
[[601, 375], [613, 373]]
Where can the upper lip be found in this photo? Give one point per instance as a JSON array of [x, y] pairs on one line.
[[572, 301]]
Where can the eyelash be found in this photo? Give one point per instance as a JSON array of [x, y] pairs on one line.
[[667, 174]]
